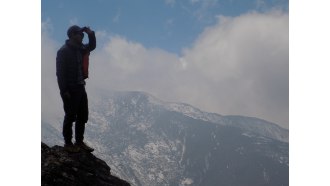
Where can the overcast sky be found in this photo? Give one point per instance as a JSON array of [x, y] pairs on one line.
[[227, 57]]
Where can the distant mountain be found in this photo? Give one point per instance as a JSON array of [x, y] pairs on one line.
[[150, 142]]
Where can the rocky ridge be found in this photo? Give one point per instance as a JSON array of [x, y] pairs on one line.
[[59, 167]]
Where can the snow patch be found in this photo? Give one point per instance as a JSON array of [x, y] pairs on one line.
[[187, 181], [247, 134]]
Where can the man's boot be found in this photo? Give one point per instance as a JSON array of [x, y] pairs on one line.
[[83, 146], [80, 129], [67, 134], [69, 147]]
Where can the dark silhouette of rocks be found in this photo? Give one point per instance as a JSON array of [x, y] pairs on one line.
[[60, 168]]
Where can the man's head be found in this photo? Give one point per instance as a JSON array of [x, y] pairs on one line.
[[75, 33]]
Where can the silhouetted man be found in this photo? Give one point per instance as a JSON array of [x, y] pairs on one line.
[[71, 72]]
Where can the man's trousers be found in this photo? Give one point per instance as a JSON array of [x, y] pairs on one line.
[[76, 110]]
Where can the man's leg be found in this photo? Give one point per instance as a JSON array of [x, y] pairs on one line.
[[69, 118], [67, 129], [82, 118], [79, 131], [82, 115]]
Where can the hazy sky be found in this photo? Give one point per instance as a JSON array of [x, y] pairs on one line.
[[230, 57]]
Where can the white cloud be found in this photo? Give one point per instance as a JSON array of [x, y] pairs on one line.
[[242, 63], [47, 26], [51, 103], [101, 34], [130, 66], [237, 66]]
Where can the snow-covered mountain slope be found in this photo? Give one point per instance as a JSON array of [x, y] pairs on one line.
[[150, 142], [253, 125]]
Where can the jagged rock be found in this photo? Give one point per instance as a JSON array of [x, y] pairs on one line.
[[61, 168]]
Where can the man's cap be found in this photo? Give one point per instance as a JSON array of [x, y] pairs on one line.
[[74, 29]]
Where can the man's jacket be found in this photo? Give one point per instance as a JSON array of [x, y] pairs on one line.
[[69, 63]]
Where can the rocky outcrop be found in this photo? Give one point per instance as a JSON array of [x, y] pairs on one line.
[[61, 168]]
